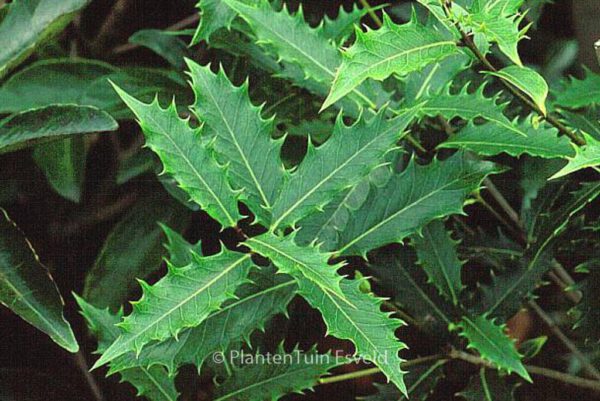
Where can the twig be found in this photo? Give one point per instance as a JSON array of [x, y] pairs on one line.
[[467, 41], [371, 12], [588, 367], [536, 370], [92, 218], [372, 371], [83, 366], [109, 26]]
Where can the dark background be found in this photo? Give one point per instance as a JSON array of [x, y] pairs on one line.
[[36, 368]]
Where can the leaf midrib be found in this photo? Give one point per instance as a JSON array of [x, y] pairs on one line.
[[394, 215], [191, 165], [263, 196]]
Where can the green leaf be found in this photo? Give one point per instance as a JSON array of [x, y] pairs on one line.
[[34, 127], [532, 347], [308, 263], [27, 288], [362, 322], [580, 92], [397, 273], [392, 49], [488, 386], [85, 83], [492, 343], [503, 298], [164, 43], [340, 28], [266, 295], [412, 199], [587, 311], [184, 298], [28, 23], [588, 122], [133, 249], [242, 138], [181, 252], [469, 106], [491, 139], [420, 383], [214, 15], [585, 157], [499, 22], [63, 163], [324, 227], [437, 255], [527, 81], [296, 43], [351, 152], [153, 382], [298, 372], [185, 157]]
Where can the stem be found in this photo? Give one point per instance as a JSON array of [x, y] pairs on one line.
[[536, 370], [371, 12], [83, 366], [371, 371], [588, 367], [467, 41]]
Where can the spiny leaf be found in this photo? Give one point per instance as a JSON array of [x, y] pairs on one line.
[[437, 255], [181, 252], [362, 322], [509, 290], [214, 15], [587, 311], [266, 295], [153, 382], [185, 157], [528, 81], [242, 138], [27, 288], [351, 152], [412, 199], [299, 371], [392, 49], [588, 121], [28, 23], [324, 227], [580, 92], [491, 139], [468, 106], [488, 386], [339, 29], [133, 249], [498, 21], [184, 298], [308, 263], [295, 42], [492, 343], [420, 383], [38, 126], [397, 273], [585, 157]]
